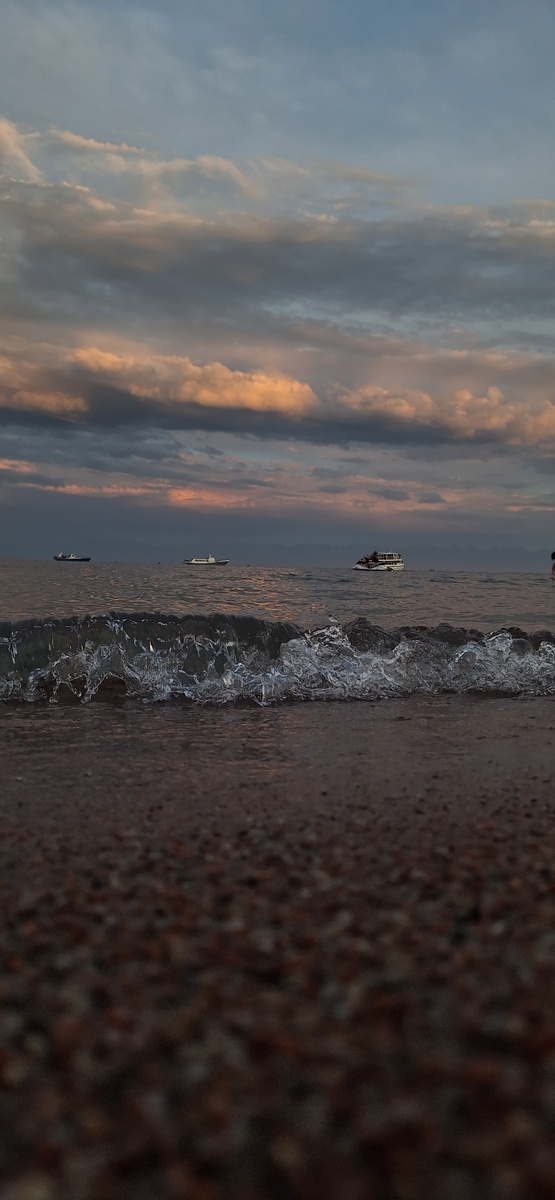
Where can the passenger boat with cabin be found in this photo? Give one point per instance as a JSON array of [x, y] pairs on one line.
[[209, 561], [380, 560]]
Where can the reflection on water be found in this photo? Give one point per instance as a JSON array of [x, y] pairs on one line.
[[308, 597]]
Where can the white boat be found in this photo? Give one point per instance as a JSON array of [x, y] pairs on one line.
[[210, 561], [380, 560], [61, 557]]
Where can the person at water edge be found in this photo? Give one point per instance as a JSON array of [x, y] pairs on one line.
[[553, 565]]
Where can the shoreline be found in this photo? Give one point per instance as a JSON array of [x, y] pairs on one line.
[[304, 951]]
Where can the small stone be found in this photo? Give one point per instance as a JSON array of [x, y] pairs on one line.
[[31, 1187], [285, 1152]]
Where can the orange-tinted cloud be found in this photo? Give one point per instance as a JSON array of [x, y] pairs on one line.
[[177, 379], [56, 403], [17, 465], [14, 152], [463, 414], [170, 380]]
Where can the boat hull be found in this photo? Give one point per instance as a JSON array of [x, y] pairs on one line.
[[380, 567], [203, 562], [71, 558]]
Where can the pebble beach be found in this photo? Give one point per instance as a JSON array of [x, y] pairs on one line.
[[267, 954]]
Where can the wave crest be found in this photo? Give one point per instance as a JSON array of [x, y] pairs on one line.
[[220, 658]]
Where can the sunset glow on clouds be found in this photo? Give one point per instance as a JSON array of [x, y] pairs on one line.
[[176, 380], [343, 343], [175, 388]]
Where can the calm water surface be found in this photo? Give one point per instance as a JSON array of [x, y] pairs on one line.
[[471, 599]]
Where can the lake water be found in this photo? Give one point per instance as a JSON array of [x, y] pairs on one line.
[[75, 630], [471, 599]]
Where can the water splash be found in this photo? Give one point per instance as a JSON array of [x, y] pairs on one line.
[[220, 659]]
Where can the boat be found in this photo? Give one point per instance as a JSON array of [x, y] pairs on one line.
[[71, 557], [380, 560], [209, 561]]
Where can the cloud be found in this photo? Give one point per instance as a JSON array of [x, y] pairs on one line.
[[14, 156], [150, 302], [100, 387], [117, 159], [452, 90], [75, 143], [461, 416], [268, 183], [170, 382], [16, 466], [55, 404], [176, 380], [75, 251]]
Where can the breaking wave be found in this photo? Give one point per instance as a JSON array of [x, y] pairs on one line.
[[219, 658]]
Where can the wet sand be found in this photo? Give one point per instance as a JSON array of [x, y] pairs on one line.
[[299, 952]]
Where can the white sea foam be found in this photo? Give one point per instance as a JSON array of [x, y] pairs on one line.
[[220, 660]]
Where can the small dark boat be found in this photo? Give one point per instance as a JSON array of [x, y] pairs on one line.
[[71, 557]]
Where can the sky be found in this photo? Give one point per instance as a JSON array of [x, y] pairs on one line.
[[276, 281]]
